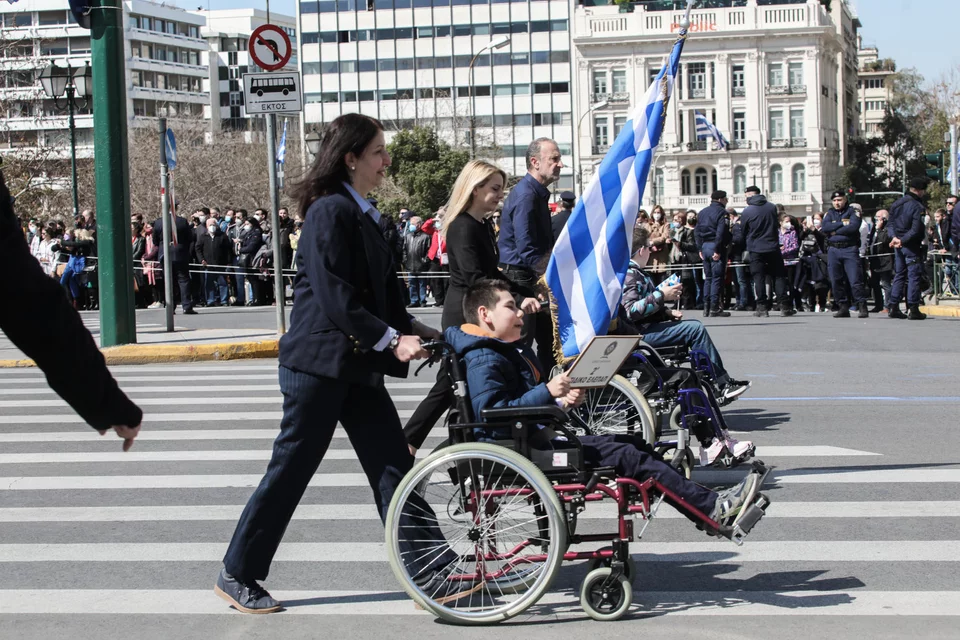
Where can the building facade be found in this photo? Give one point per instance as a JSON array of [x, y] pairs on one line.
[[777, 77], [408, 62], [874, 88], [227, 33], [164, 63]]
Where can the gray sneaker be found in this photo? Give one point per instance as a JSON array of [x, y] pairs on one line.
[[439, 586], [248, 598], [730, 502]]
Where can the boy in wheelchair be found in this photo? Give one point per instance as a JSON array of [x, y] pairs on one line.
[[501, 372]]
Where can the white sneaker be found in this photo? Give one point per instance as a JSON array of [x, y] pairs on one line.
[[710, 454], [155, 305], [737, 448]]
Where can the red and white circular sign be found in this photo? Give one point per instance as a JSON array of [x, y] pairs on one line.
[[270, 47]]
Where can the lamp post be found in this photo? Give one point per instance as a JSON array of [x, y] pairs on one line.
[[498, 43], [599, 105], [57, 82], [312, 140]]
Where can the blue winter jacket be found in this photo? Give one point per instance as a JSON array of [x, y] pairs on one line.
[[499, 374], [713, 229], [842, 227], [906, 221]]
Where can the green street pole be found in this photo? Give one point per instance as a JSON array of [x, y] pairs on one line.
[[118, 321]]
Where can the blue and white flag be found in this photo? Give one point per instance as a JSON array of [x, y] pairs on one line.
[[591, 256], [706, 129], [282, 148]]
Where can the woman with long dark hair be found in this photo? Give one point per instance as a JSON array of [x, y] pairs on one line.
[[348, 329], [473, 255]]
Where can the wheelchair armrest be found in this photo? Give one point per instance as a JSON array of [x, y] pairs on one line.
[[545, 412]]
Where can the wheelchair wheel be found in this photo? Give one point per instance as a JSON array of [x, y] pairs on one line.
[[604, 597], [629, 570], [618, 408], [475, 533]]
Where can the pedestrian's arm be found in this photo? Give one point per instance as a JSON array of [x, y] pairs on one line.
[[525, 229], [830, 224], [851, 230], [915, 232], [723, 230]]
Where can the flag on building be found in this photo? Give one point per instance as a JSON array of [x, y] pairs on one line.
[[282, 148], [706, 129], [591, 256]]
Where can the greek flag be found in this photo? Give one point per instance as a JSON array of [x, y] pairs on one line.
[[282, 148], [706, 129], [590, 259]]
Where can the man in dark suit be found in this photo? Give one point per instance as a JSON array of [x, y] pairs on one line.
[[181, 250], [559, 220], [348, 329]]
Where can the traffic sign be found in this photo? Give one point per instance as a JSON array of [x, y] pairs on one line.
[[81, 12], [270, 47], [170, 142], [272, 93]]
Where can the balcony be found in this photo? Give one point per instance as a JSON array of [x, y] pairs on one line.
[[600, 149], [694, 94], [699, 145], [617, 97], [787, 90], [739, 92], [798, 143], [787, 143]]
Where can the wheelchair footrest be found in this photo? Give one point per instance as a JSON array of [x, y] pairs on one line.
[[750, 517]]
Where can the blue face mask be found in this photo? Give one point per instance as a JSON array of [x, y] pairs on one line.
[[411, 228], [228, 218]]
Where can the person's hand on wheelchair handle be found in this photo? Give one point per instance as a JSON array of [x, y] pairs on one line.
[[410, 348], [559, 386], [671, 294]]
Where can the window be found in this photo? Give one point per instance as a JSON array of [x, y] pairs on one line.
[[19, 20], [740, 179], [348, 96], [739, 126], [775, 74], [739, 80], [619, 81], [53, 47], [875, 83], [684, 182], [600, 131], [796, 123], [47, 18], [599, 81], [619, 122], [232, 59], [776, 179], [697, 79], [236, 99], [876, 105], [776, 130], [652, 75], [366, 96], [799, 181], [795, 73], [700, 186], [658, 183]]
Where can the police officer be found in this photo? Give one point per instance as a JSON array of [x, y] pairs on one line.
[[906, 222], [559, 219], [712, 236], [841, 226]]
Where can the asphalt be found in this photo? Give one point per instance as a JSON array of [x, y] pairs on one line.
[[860, 541]]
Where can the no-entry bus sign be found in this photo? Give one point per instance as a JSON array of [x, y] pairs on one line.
[[270, 47]]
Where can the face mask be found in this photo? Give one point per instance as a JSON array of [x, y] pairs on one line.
[[411, 228], [66, 237], [674, 225], [33, 228], [658, 217], [212, 230], [229, 218], [201, 219], [691, 220], [258, 218], [787, 226], [817, 223], [247, 227], [926, 219]]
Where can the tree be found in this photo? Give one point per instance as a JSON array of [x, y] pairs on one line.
[[424, 167]]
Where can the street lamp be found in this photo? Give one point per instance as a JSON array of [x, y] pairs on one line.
[[312, 140], [599, 105], [497, 43], [57, 81]]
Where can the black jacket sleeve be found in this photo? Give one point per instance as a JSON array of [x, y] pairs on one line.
[[37, 318]]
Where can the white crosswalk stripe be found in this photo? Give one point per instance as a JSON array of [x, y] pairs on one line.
[[80, 520]]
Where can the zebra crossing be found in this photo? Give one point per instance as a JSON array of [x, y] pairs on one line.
[[852, 531]]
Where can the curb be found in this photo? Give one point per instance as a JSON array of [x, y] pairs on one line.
[[163, 353], [938, 311]]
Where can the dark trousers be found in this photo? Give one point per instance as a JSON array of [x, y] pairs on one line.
[[181, 271], [769, 264], [688, 333], [438, 284], [633, 458], [844, 266], [907, 272], [430, 410], [312, 406], [536, 326], [714, 274], [881, 282]]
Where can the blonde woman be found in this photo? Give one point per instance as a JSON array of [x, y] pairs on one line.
[[473, 255]]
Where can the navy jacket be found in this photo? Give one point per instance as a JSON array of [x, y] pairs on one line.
[[759, 229], [499, 374], [36, 316], [526, 235], [842, 227], [713, 228], [346, 296], [906, 221], [183, 251]]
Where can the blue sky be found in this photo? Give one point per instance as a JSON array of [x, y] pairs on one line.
[[909, 31]]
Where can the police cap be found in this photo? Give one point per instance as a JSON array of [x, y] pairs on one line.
[[568, 196], [920, 183], [838, 194], [718, 195]]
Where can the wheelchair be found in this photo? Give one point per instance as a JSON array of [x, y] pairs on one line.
[[494, 520], [674, 385]]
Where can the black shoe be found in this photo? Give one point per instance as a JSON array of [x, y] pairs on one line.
[[896, 313], [720, 313], [761, 312], [876, 310], [440, 589], [739, 307], [914, 313], [248, 598], [750, 307], [786, 313], [842, 312], [863, 313], [706, 312], [734, 389], [190, 312]]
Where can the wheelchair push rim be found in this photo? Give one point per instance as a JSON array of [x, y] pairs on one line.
[[618, 408], [503, 533]]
